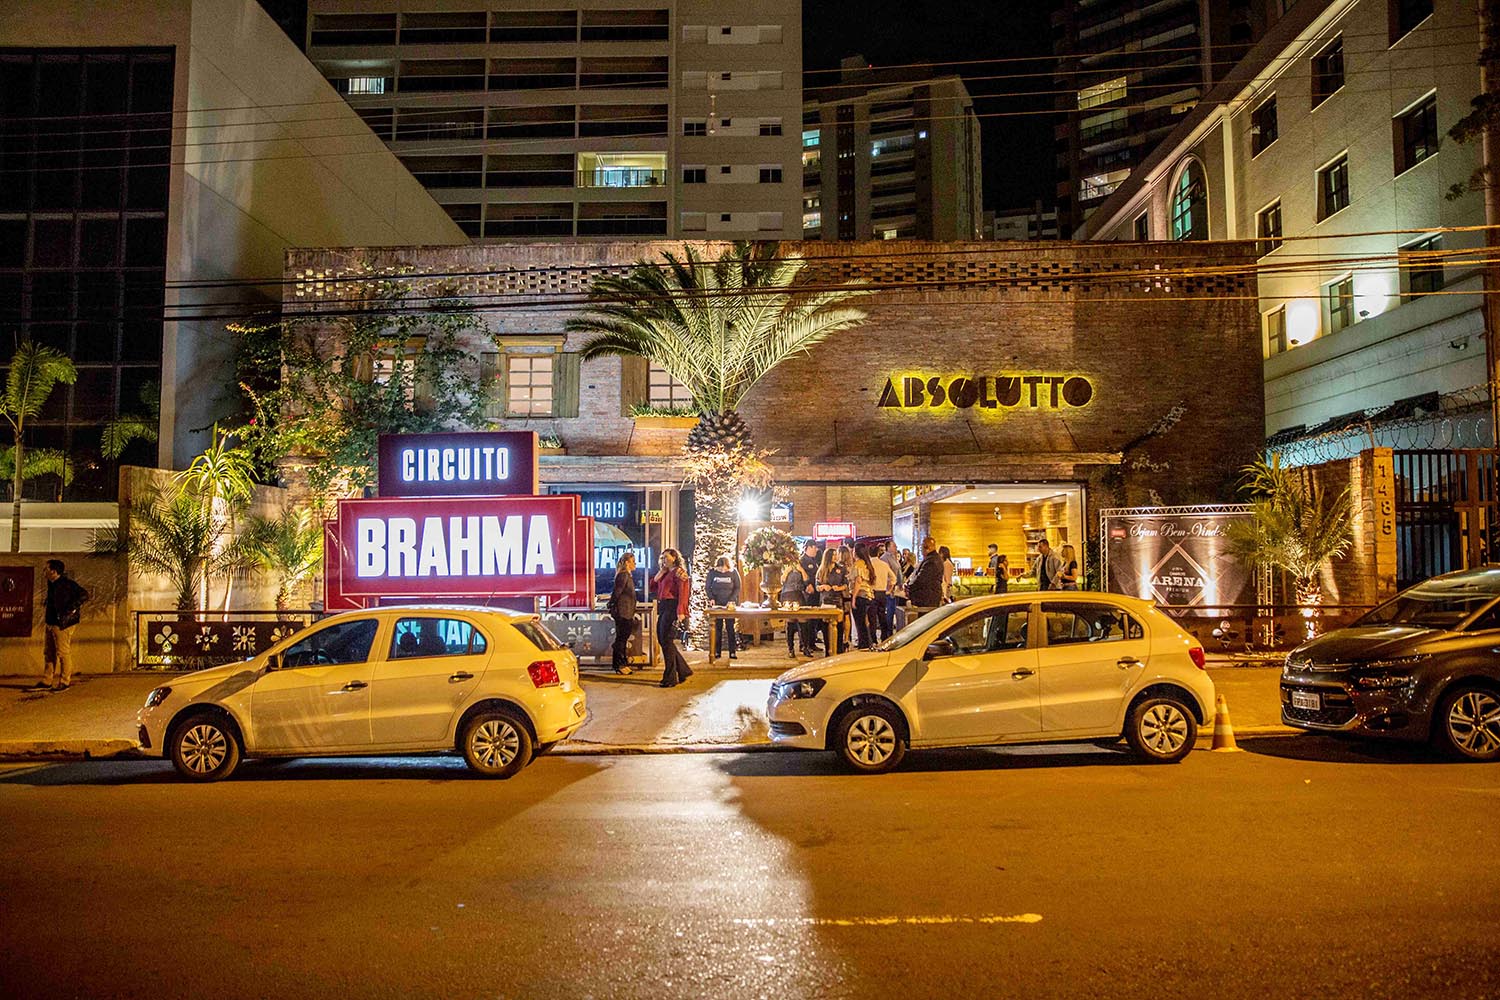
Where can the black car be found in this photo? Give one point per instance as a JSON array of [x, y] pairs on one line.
[[1423, 666]]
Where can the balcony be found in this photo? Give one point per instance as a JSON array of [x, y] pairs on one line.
[[621, 170]]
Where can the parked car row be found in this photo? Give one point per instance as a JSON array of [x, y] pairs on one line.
[[499, 688]]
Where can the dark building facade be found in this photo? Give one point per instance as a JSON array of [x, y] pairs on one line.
[[1126, 73]]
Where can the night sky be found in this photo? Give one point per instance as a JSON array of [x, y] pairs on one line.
[[1018, 158]]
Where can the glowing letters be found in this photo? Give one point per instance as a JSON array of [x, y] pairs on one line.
[[480, 464], [482, 546]]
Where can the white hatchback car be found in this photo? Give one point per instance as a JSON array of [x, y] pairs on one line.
[[494, 685], [1009, 668]]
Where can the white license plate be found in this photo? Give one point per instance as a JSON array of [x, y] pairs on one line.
[[1307, 699]]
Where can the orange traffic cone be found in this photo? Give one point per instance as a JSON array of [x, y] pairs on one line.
[[1223, 731]]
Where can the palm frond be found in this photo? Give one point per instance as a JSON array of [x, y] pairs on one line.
[[119, 433], [37, 462]]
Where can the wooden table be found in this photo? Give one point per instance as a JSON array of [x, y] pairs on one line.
[[834, 616]]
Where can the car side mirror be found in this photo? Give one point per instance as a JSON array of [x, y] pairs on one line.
[[273, 662], [943, 647]]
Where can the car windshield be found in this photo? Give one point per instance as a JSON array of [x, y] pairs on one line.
[[917, 628], [1439, 604]]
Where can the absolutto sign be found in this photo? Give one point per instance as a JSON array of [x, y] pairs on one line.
[[460, 547]]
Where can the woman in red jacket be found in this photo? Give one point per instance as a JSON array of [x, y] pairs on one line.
[[671, 587]]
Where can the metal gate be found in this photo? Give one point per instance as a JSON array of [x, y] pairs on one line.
[[1445, 511]]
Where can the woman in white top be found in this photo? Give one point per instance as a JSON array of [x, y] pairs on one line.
[[866, 617], [948, 571]]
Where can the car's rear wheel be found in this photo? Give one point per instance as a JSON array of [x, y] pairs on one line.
[[497, 743], [205, 748], [1161, 729], [869, 738], [1468, 723]]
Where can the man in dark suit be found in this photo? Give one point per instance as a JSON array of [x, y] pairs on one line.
[[811, 629]]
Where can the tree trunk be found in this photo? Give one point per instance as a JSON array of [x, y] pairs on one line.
[[715, 532], [1309, 591], [15, 507]]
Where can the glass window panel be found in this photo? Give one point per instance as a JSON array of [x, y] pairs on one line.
[[12, 242], [52, 243], [99, 242], [145, 242], [94, 394]]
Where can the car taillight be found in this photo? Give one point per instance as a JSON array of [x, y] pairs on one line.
[[544, 674], [1199, 660]]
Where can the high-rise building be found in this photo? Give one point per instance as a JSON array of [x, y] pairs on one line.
[[581, 118], [1127, 73], [886, 158]]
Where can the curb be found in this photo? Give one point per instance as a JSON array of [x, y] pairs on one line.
[[70, 749]]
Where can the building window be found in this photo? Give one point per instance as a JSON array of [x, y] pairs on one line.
[[1415, 134], [367, 85], [1101, 93], [1341, 304], [1262, 127], [1421, 267], [1101, 185], [664, 391], [528, 383], [1328, 71], [770, 126], [812, 220], [694, 175], [1406, 15], [1141, 231], [1333, 187], [811, 137], [1268, 228], [1190, 204], [726, 169], [1275, 323], [694, 127], [770, 175]]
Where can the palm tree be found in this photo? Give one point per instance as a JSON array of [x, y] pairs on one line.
[[128, 427], [35, 371], [223, 478], [1297, 525], [719, 326], [173, 533], [289, 545], [39, 462]]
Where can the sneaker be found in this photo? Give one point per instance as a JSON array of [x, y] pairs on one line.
[[624, 671]]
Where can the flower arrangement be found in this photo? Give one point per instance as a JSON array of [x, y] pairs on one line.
[[769, 546]]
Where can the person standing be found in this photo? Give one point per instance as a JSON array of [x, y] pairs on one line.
[[1068, 579], [926, 589], [869, 596], [810, 596], [896, 594], [621, 606], [793, 588], [64, 602], [1047, 568], [723, 589], [833, 587], [672, 587], [948, 572], [999, 568]]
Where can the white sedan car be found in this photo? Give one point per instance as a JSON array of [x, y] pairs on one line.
[[494, 685], [1009, 668]]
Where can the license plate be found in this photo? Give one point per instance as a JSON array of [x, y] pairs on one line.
[[1307, 699]]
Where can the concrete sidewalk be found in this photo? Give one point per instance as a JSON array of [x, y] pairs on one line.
[[717, 709]]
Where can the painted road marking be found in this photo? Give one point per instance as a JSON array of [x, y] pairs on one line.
[[1016, 918]]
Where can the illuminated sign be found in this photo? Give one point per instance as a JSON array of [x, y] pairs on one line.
[[831, 530], [987, 392], [488, 463], [1180, 559], [518, 546]]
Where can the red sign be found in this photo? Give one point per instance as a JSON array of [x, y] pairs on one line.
[[519, 546], [830, 530], [17, 600]]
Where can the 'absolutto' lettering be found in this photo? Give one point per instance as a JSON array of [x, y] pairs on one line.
[[987, 392]]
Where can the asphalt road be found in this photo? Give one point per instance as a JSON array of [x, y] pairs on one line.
[[1299, 868]]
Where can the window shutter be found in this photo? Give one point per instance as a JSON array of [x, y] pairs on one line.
[[492, 385], [565, 385], [634, 385]]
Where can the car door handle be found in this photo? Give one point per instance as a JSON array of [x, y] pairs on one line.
[[1126, 662], [462, 675], [355, 685], [1023, 672]]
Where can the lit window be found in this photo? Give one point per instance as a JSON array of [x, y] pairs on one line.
[[810, 138], [1416, 134], [1341, 304], [1101, 93], [1099, 185], [1190, 204], [664, 391], [812, 220], [528, 385], [367, 85], [1333, 187]]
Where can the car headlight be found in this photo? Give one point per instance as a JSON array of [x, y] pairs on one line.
[[1398, 663], [1383, 682], [1385, 675], [157, 696], [799, 689]]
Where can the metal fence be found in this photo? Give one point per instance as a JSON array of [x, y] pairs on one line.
[[1445, 511]]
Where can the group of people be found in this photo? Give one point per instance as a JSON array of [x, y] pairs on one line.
[[871, 583]]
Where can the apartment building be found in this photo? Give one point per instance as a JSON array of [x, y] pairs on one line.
[[581, 119], [1034, 223], [884, 158], [1126, 75], [1328, 146]]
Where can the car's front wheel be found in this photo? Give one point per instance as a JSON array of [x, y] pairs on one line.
[[1161, 729], [1468, 723], [496, 743], [869, 738], [205, 748]]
